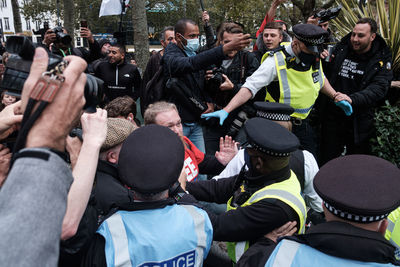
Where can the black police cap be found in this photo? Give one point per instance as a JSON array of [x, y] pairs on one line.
[[310, 34], [359, 188], [273, 111], [151, 159], [270, 138]]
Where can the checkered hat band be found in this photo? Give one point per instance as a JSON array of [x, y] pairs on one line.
[[353, 217], [273, 116], [268, 152], [311, 41]]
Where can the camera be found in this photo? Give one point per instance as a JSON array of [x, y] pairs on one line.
[[62, 37], [247, 111], [328, 14], [19, 64], [217, 76], [215, 81]]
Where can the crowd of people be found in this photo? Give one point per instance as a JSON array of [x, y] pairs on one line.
[[238, 160]]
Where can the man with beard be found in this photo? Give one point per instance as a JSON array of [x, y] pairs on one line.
[[120, 78], [360, 70]]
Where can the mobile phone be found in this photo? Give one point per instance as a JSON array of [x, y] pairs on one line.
[[84, 23]]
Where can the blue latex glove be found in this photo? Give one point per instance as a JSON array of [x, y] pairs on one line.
[[221, 114], [346, 106]]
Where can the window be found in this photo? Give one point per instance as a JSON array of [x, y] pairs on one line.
[[6, 24], [3, 3], [28, 25]]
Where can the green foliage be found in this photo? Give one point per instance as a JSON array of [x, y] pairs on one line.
[[39, 10], [387, 142], [387, 17]]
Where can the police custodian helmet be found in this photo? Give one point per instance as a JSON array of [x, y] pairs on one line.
[[151, 159], [359, 188]]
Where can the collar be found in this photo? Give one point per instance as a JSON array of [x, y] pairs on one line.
[[108, 168], [344, 240], [133, 206]]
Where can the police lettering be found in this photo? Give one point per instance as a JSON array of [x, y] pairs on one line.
[[184, 260]]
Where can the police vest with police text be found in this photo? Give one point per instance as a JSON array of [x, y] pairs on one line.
[[287, 191], [176, 235], [290, 253], [298, 89]]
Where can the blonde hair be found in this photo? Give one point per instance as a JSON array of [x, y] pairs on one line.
[[156, 108]]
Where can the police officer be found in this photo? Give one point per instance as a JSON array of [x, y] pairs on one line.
[[298, 70], [393, 230], [154, 230], [301, 162], [359, 192], [260, 199]]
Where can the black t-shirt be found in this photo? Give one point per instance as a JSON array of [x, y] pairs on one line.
[[351, 73]]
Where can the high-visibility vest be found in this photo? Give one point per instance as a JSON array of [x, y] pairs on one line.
[[298, 89], [176, 235], [291, 253], [287, 191], [393, 230]]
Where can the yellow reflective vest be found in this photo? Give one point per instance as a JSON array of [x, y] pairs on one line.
[[393, 230], [287, 191], [298, 89]]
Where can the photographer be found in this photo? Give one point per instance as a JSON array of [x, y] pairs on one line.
[[321, 18], [59, 42], [224, 81], [33, 198]]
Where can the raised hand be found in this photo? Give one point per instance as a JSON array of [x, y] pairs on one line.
[[227, 150]]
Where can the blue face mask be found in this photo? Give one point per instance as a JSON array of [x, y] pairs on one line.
[[191, 46]]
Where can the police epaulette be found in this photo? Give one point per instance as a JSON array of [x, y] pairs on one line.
[[273, 51]]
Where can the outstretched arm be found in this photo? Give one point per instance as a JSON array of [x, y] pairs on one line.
[[94, 128]]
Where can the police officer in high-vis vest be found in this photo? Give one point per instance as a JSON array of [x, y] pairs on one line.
[[298, 71], [359, 192], [157, 229], [260, 199], [393, 230]]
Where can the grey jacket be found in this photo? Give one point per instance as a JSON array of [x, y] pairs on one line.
[[33, 201]]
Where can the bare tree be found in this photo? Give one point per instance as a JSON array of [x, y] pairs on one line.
[[140, 33], [69, 17], [16, 16]]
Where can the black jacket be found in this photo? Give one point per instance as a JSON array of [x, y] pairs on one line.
[[337, 239], [107, 194], [371, 91], [119, 80], [244, 223], [243, 61], [189, 71]]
